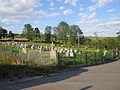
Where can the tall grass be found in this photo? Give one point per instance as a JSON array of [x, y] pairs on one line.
[[8, 58]]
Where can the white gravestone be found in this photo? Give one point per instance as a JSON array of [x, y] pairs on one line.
[[24, 50], [75, 51], [71, 53], [105, 52], [67, 53]]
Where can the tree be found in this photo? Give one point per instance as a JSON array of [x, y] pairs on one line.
[[28, 32], [75, 34], [95, 34], [37, 33], [11, 34], [118, 33], [48, 33], [55, 33], [3, 32], [63, 28]]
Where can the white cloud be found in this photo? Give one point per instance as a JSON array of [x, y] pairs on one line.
[[45, 14], [111, 10], [54, 14], [83, 15], [114, 18], [99, 4], [109, 23], [14, 19], [92, 15], [19, 11], [52, 4], [93, 21], [72, 2], [68, 11], [51, 8], [86, 16], [103, 2], [61, 7], [92, 8], [17, 8]]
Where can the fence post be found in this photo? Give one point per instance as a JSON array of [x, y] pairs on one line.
[[74, 59], [95, 56], [86, 57], [119, 53], [57, 57]]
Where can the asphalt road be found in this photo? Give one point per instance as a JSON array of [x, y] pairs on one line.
[[100, 77]]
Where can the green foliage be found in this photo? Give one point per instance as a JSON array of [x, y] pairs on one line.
[[118, 33], [3, 32], [105, 43], [11, 34], [48, 33], [74, 34], [63, 28], [37, 33], [55, 33], [35, 43], [28, 32]]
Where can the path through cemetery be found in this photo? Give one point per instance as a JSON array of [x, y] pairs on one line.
[[101, 77]]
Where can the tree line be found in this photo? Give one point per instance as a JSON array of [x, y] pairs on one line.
[[4, 33], [62, 33]]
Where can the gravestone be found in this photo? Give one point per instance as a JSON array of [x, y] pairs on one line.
[[71, 53], [52, 53], [67, 53], [40, 50], [61, 51], [24, 50], [105, 52], [75, 51]]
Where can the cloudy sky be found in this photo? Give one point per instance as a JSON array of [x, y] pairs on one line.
[[101, 16]]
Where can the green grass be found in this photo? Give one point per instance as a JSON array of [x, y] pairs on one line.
[[36, 43], [10, 67], [10, 47]]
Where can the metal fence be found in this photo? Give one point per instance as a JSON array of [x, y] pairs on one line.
[[32, 56], [44, 58], [86, 58]]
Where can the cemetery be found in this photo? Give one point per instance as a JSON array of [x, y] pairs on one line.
[[55, 51], [60, 44], [18, 53]]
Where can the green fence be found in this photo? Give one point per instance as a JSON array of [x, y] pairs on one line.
[[86, 58], [83, 58], [13, 51], [34, 57]]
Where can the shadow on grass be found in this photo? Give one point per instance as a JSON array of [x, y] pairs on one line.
[[7, 71], [41, 71]]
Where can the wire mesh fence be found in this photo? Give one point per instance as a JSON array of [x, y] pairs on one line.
[[44, 58], [86, 58], [31, 56]]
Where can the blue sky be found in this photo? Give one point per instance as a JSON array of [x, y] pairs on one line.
[[101, 16]]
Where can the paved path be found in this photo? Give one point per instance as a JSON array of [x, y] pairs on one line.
[[101, 77]]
